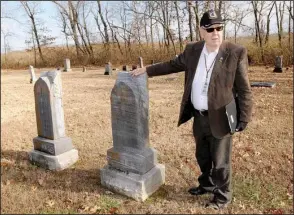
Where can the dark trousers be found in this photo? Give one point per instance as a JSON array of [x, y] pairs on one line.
[[214, 159]]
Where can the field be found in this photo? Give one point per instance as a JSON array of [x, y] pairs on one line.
[[262, 154]]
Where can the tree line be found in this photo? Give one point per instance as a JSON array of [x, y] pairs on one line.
[[163, 25]]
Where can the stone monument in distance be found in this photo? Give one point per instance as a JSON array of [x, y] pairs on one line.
[[108, 69], [132, 168], [53, 150], [67, 65], [33, 75], [278, 64]]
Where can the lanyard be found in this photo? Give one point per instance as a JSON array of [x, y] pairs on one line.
[[207, 70]]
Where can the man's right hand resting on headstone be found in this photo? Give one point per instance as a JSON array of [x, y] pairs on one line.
[[138, 71]]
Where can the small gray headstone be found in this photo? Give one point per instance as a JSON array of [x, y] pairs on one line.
[[278, 64], [51, 142], [132, 167], [125, 68], [134, 67], [32, 73], [108, 70], [84, 69], [67, 65], [141, 62]]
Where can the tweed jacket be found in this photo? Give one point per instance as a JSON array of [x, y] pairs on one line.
[[229, 78]]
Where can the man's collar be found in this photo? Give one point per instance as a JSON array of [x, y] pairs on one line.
[[205, 51]]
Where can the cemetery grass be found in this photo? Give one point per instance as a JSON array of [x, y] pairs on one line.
[[262, 157]]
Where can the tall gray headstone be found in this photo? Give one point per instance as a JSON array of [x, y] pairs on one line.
[[108, 70], [67, 65], [278, 64], [132, 168], [141, 62], [33, 75], [53, 150]]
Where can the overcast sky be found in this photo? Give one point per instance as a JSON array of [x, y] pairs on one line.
[[49, 14]]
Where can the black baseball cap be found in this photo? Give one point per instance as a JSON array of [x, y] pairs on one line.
[[211, 17]]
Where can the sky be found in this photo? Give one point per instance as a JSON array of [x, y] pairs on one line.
[[48, 16]]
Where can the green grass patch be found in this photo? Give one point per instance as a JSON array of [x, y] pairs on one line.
[[255, 191]]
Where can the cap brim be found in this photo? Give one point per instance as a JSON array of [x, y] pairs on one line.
[[207, 26]]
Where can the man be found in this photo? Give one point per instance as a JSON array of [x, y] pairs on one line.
[[215, 72]]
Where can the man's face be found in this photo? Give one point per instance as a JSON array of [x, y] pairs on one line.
[[214, 38]]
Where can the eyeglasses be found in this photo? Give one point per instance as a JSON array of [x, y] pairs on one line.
[[209, 30]]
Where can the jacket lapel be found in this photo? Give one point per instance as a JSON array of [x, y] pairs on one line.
[[195, 58], [220, 60]]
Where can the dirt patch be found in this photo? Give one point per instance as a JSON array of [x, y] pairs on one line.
[[262, 155]]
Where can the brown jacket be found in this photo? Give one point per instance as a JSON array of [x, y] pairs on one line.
[[229, 75]]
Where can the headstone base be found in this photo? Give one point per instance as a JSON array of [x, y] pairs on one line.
[[138, 187], [279, 70], [53, 147], [52, 162]]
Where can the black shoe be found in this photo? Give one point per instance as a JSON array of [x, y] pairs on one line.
[[197, 191], [216, 205]]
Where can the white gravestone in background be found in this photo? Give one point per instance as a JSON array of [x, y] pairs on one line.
[[32, 73], [52, 148], [67, 65]]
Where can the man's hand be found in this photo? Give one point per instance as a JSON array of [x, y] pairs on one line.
[[241, 126], [138, 71]]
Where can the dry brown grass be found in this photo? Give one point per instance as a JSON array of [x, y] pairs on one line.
[[262, 154], [55, 56]]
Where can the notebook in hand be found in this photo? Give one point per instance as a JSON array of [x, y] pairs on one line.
[[231, 111]]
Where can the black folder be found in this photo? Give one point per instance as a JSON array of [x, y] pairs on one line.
[[232, 114]]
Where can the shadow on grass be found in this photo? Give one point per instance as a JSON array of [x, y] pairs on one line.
[[17, 168]]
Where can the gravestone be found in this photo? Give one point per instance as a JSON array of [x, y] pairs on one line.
[[67, 65], [141, 62], [134, 67], [125, 68], [84, 69], [32, 73], [53, 150], [132, 168], [278, 64], [108, 70], [152, 62]]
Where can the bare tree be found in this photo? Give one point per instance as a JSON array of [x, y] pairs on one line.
[[179, 26], [257, 23], [289, 22], [268, 21], [103, 22], [237, 19], [280, 17], [196, 13], [64, 27], [32, 11], [6, 35], [71, 15], [189, 4]]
